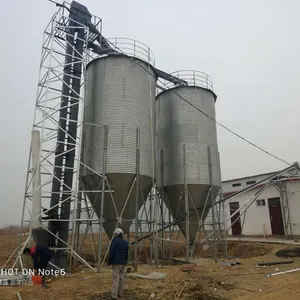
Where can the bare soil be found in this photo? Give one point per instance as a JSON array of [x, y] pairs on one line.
[[209, 281]]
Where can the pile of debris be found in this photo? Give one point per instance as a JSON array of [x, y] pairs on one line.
[[201, 287]]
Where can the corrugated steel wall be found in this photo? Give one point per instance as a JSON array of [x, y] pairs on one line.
[[178, 124], [118, 94]]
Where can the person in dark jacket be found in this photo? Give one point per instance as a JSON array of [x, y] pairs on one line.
[[40, 256], [118, 256]]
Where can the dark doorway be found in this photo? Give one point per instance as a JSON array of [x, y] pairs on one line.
[[276, 216], [235, 220]]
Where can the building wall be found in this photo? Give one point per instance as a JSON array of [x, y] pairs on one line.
[[238, 184], [257, 218]]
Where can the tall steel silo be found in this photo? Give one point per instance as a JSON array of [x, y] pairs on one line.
[[120, 91], [182, 131]]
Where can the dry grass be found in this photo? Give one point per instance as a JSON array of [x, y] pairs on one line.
[[12, 229]]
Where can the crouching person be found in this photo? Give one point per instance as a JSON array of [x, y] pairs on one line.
[[41, 257], [118, 256]]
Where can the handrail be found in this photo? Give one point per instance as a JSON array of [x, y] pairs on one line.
[[192, 78], [130, 47]]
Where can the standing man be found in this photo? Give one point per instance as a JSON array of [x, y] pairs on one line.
[[41, 257], [118, 256]]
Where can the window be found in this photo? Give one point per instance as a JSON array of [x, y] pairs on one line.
[[251, 182], [236, 184], [261, 202]]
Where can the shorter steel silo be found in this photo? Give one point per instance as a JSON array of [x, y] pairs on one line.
[[184, 135]]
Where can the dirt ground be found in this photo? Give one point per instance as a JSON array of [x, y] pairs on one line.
[[209, 281]]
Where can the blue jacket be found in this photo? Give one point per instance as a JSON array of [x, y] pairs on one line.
[[118, 252]]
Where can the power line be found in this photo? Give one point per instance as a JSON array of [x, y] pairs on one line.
[[231, 131], [205, 114]]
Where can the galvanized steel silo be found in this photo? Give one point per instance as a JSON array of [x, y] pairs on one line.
[[179, 125], [120, 90]]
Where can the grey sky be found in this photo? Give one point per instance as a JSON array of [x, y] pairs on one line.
[[249, 47]]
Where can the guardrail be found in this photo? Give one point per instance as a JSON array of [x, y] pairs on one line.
[[193, 78], [131, 48]]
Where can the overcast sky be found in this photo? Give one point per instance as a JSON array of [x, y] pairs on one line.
[[249, 47]]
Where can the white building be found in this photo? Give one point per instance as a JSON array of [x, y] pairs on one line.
[[275, 210]]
